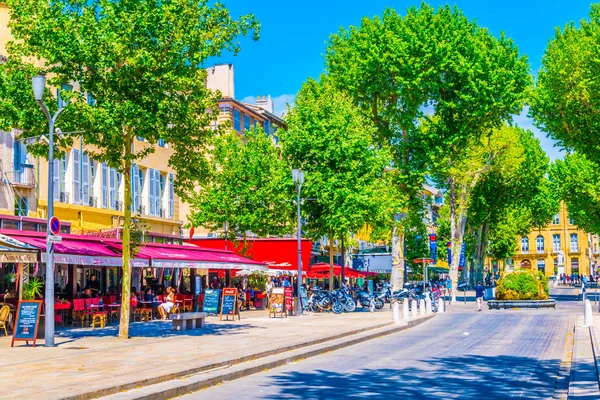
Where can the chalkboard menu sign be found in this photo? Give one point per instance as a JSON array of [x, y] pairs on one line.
[[211, 301], [289, 296], [304, 300], [277, 299], [27, 321], [229, 303]]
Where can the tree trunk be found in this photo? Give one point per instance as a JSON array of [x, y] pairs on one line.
[[330, 261], [126, 285], [454, 237], [397, 277]]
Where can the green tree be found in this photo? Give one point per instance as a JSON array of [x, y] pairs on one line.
[[396, 68], [575, 179], [566, 100], [513, 197], [136, 69], [330, 141], [17, 106], [248, 187]]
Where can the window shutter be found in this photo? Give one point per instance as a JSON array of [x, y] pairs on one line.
[[113, 188], [104, 186], [55, 179], [171, 197], [76, 179], [157, 192], [151, 195], [85, 179]]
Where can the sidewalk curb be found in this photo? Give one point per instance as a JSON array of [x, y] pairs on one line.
[[596, 353], [180, 387], [196, 370], [561, 386]]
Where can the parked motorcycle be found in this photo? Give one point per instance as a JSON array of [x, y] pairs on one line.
[[364, 298]]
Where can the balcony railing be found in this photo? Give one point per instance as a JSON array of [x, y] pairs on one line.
[[24, 177], [64, 197], [93, 201]]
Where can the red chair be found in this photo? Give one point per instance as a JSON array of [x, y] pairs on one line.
[[113, 299], [187, 302], [79, 311]]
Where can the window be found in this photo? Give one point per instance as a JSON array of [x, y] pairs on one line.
[[104, 186], [21, 206], [154, 192], [140, 138], [575, 265], [85, 179], [574, 243], [246, 121], [237, 120], [571, 220], [171, 197], [161, 142], [255, 124], [525, 244], [556, 219], [91, 100], [64, 87], [76, 177], [539, 244], [556, 243], [541, 265], [267, 127], [114, 180]]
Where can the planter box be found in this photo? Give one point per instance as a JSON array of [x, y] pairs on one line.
[[498, 304]]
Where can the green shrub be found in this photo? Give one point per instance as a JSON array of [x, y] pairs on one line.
[[523, 284]]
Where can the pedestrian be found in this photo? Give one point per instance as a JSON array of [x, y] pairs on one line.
[[269, 289], [479, 295], [449, 286]]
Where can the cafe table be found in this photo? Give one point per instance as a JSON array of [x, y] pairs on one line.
[[62, 307], [113, 309]]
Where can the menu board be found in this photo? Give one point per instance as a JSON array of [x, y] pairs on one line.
[[27, 321], [211, 301], [304, 299], [289, 296], [277, 299], [229, 303]]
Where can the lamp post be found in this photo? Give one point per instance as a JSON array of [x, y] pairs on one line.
[[298, 177], [39, 85]]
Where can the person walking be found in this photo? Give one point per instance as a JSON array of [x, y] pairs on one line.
[[479, 295]]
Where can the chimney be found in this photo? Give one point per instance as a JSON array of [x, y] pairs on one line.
[[220, 77], [265, 103]]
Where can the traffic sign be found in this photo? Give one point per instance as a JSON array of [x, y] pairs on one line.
[[54, 225], [54, 239]]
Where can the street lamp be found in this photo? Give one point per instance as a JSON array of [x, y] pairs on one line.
[[298, 177], [39, 85]]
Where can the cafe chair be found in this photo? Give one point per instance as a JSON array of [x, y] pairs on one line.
[[4, 313], [187, 303], [79, 311]]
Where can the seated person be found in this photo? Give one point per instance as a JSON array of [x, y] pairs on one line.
[[165, 308], [87, 294], [148, 296]]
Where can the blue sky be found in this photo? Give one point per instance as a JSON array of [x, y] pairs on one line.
[[294, 35]]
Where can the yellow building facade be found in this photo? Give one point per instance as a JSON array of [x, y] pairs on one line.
[[544, 250]]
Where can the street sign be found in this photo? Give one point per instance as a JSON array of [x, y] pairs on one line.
[[54, 239], [54, 225]]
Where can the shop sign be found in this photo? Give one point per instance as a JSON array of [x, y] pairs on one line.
[[211, 301], [229, 304], [27, 321]]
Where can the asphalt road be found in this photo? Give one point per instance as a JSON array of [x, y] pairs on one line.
[[459, 355]]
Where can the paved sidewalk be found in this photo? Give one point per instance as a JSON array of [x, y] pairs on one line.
[[583, 383], [85, 361]]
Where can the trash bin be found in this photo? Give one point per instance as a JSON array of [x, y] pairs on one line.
[[489, 293]]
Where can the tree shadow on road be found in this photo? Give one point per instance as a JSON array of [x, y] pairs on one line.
[[467, 377], [158, 329]]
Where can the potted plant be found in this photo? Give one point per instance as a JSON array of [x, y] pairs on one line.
[[32, 289]]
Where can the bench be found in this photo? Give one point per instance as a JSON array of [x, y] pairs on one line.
[[189, 320], [498, 304]]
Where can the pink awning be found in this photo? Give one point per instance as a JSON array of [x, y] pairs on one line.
[[73, 249], [190, 256]]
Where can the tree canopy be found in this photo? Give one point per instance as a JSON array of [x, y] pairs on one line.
[[566, 99], [248, 187]]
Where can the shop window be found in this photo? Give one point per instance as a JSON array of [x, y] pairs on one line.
[[541, 264], [29, 226], [10, 224], [575, 265]]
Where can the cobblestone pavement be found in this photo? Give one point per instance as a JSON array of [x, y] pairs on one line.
[[459, 355]]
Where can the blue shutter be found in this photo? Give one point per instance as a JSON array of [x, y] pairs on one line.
[[76, 175], [105, 197], [151, 195], [171, 197], [85, 179], [56, 179]]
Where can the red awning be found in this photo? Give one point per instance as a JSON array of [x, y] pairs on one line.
[[323, 268], [277, 253], [190, 256]]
